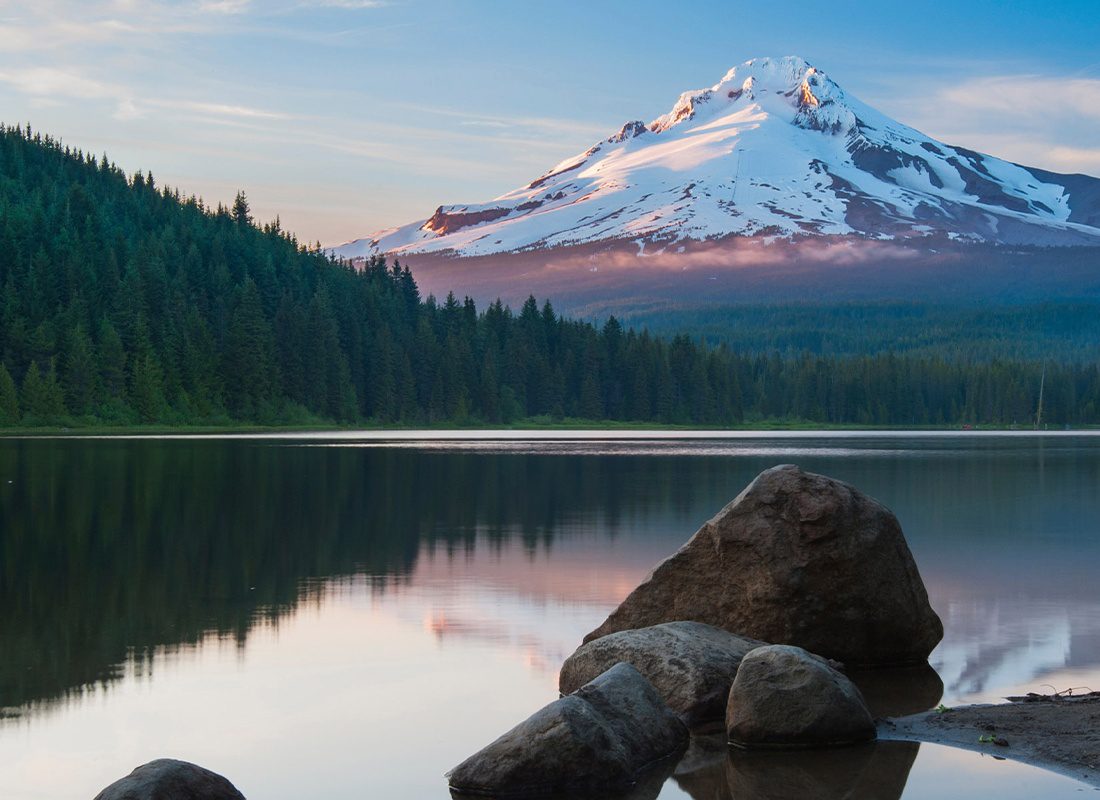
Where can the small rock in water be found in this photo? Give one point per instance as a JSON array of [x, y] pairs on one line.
[[169, 779], [784, 696], [600, 738], [798, 559], [690, 664]]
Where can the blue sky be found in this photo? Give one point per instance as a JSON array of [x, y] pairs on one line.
[[346, 116]]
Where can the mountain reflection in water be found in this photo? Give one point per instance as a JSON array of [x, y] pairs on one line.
[[120, 558]]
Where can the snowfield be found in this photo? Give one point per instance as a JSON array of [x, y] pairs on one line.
[[775, 149]]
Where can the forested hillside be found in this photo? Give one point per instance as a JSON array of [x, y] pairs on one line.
[[124, 303], [975, 329]]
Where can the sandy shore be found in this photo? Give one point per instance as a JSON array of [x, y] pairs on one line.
[[1061, 734]]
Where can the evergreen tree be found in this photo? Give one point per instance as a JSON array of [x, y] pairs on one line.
[[9, 399], [241, 213], [112, 361], [249, 363], [148, 388], [42, 400], [80, 372]]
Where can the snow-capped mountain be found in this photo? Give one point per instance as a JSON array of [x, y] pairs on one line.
[[775, 149]]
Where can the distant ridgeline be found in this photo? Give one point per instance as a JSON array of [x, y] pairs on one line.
[[123, 303]]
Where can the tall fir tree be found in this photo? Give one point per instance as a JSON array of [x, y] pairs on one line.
[[9, 399]]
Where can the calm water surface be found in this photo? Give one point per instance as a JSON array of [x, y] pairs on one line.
[[342, 616]]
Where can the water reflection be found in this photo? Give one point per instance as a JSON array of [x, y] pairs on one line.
[[109, 548], [123, 560], [878, 770], [883, 770], [901, 691]]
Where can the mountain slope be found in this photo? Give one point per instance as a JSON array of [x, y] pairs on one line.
[[774, 149]]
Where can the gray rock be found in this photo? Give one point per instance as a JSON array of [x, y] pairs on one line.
[[168, 779], [800, 559], [603, 737], [690, 664], [785, 697]]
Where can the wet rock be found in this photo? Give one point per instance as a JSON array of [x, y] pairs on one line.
[[168, 779], [796, 558], [647, 786], [603, 737], [785, 697], [690, 664]]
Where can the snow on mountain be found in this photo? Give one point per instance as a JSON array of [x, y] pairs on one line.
[[774, 149]]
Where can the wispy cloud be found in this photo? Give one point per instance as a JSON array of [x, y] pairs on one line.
[[1077, 158], [47, 84], [222, 109], [484, 123], [1030, 96], [52, 82], [350, 5], [550, 126], [1040, 120], [224, 6], [51, 25]]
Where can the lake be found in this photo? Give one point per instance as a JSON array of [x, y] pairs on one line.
[[345, 616]]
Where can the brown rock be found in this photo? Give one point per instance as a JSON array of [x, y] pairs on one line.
[[690, 664], [785, 697], [796, 558]]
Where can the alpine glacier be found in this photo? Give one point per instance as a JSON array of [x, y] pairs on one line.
[[775, 150]]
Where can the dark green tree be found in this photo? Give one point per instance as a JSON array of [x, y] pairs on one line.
[[9, 399]]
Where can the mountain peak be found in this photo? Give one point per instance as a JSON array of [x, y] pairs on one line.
[[775, 149], [814, 100], [775, 73]]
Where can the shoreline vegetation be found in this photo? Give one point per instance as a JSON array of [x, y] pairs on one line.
[[123, 303], [534, 425]]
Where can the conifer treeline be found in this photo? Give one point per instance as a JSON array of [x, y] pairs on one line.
[[122, 302]]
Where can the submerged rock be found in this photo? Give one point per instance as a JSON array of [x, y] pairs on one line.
[[168, 779], [785, 697], [603, 737], [800, 559], [690, 664]]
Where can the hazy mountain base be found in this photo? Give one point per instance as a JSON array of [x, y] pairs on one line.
[[627, 277], [844, 296]]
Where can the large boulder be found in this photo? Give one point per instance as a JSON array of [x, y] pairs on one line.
[[603, 737], [168, 779], [796, 558], [785, 697], [690, 664]]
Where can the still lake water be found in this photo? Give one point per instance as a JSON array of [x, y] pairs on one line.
[[340, 616]]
